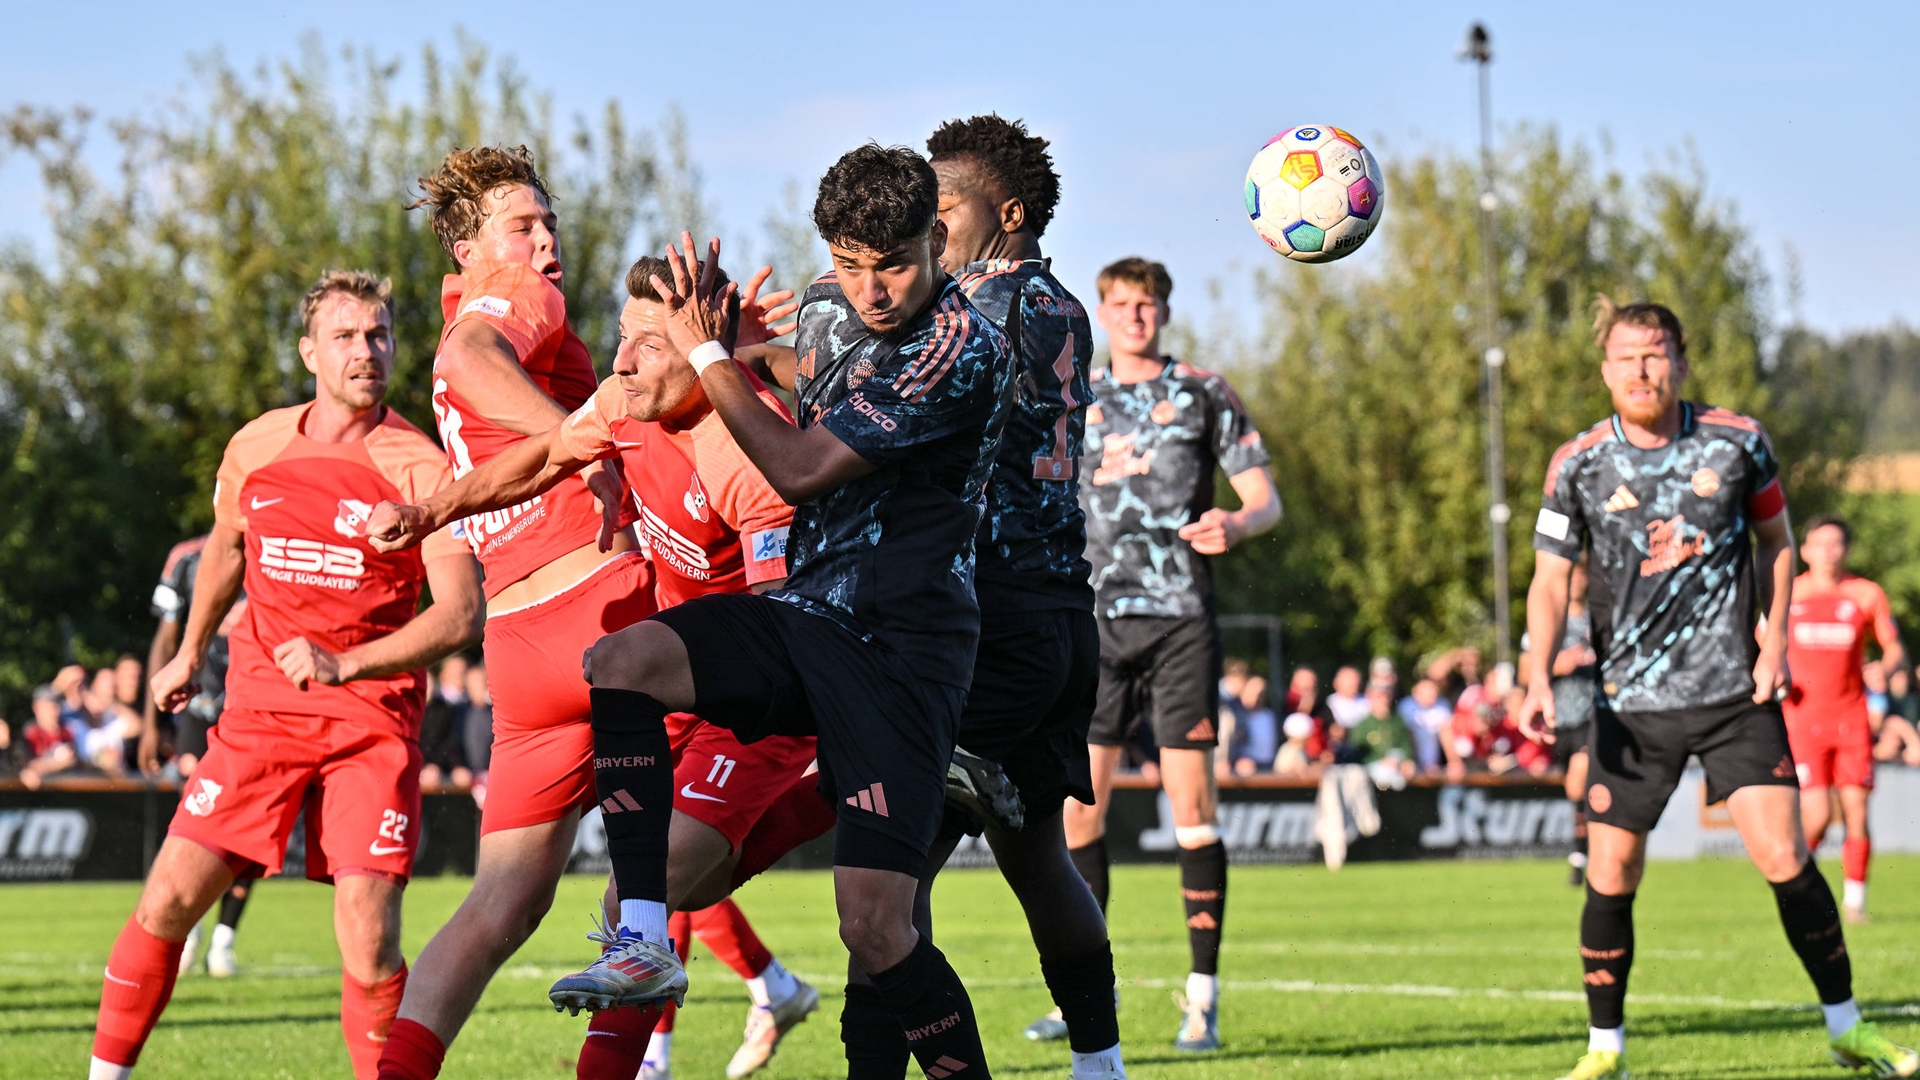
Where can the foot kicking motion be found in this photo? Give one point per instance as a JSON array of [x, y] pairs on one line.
[[1665, 494], [714, 526], [903, 389], [326, 685]]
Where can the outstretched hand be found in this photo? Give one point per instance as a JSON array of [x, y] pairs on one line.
[[1536, 712], [696, 309], [760, 317]]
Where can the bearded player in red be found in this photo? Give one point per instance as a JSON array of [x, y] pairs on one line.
[[713, 525], [1827, 723], [325, 686], [510, 366]]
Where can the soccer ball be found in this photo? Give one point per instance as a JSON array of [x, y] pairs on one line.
[[1314, 193]]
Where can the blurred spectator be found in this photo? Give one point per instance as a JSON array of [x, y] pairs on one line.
[[1874, 677], [1482, 739], [114, 725], [1233, 679], [1381, 673], [477, 726], [443, 727], [1347, 704], [1380, 740], [47, 738], [1258, 740], [1427, 716], [129, 688], [1303, 696], [1292, 758], [8, 766], [70, 683], [1455, 670]]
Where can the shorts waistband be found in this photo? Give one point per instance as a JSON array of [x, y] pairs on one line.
[[562, 593]]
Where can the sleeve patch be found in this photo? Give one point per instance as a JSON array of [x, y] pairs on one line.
[[167, 599], [488, 305], [1552, 523], [767, 545]]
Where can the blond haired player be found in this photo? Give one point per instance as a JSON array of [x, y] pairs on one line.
[[325, 688]]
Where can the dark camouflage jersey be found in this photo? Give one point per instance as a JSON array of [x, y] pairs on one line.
[[889, 555], [1672, 562], [1151, 450], [1032, 542]]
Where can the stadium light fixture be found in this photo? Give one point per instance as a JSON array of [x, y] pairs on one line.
[[1478, 48]]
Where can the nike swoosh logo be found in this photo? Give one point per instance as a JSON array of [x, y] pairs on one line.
[[689, 793], [376, 849], [258, 504], [111, 977], [618, 445]]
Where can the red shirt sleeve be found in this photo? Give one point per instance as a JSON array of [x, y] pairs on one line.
[[744, 498], [587, 433]]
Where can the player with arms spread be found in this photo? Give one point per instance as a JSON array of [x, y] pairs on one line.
[[714, 525], [510, 366], [1156, 431], [326, 685], [1832, 615], [903, 390], [1665, 494]]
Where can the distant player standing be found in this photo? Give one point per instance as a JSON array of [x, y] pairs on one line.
[[1156, 432], [1665, 493], [326, 687], [1832, 615]]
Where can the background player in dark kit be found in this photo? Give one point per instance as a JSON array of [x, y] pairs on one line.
[[903, 389], [1156, 431], [1666, 492]]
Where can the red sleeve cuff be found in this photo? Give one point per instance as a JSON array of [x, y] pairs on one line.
[[1766, 503]]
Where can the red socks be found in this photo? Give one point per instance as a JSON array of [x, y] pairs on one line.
[[616, 1043], [366, 1016], [724, 929], [1854, 855], [140, 975], [797, 816], [412, 1052]]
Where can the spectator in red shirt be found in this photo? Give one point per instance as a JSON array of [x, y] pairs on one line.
[[1482, 739], [47, 739]]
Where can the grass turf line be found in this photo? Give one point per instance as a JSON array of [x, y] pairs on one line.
[[1382, 970]]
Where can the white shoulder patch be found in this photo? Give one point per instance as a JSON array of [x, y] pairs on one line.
[[1552, 523], [488, 305], [767, 544]]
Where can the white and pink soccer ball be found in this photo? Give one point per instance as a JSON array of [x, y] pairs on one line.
[[1314, 193]]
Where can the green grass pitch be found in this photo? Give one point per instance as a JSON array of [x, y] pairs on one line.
[[1382, 970]]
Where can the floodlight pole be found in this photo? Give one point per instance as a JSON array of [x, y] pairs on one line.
[[1479, 49]]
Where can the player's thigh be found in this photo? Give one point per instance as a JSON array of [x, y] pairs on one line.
[[517, 869], [739, 651], [1853, 761], [538, 775], [368, 817], [699, 851], [250, 787], [184, 881], [1634, 763], [1768, 818], [1184, 690]]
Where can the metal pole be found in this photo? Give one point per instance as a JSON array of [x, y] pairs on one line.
[[1479, 49]]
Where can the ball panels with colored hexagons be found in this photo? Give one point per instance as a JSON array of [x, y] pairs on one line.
[[1314, 193]]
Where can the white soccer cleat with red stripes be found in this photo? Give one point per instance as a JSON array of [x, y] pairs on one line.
[[631, 971]]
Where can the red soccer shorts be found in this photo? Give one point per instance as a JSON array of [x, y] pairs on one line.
[[542, 762], [721, 782], [359, 787], [1832, 755]]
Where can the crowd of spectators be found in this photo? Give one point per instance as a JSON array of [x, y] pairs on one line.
[[88, 724]]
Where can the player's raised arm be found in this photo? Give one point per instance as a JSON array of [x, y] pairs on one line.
[[801, 463], [223, 565], [528, 468], [456, 619], [1773, 572], [481, 366]]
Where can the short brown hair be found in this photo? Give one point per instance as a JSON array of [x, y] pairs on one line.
[[640, 286], [1138, 272], [1821, 521], [1608, 315], [358, 284], [466, 177]]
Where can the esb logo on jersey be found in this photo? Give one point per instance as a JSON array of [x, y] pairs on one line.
[[310, 562]]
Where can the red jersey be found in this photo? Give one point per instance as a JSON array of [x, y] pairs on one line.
[[310, 572], [531, 314], [1826, 646], [712, 523]]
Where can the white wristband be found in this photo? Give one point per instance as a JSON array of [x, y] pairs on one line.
[[707, 355]]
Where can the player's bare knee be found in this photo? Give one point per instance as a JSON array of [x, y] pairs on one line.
[[629, 659]]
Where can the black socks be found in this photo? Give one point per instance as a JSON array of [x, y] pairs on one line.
[[1606, 951], [1083, 988], [1812, 923], [633, 775], [234, 901], [1203, 884], [1091, 861], [876, 1047], [929, 1004]]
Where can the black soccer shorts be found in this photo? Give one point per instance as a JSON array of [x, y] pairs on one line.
[[1636, 758], [765, 667], [1165, 671]]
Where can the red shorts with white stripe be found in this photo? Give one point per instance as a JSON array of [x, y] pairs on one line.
[[542, 764]]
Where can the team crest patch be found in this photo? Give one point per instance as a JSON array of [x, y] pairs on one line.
[[488, 305], [695, 500], [1163, 413], [1705, 483], [1599, 798], [862, 371], [350, 520], [200, 803]]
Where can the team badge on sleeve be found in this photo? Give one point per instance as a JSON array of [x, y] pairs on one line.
[[769, 544]]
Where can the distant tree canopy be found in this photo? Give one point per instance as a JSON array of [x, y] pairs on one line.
[[1369, 398], [167, 314]]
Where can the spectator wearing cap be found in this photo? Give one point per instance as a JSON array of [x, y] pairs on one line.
[[1292, 758], [1427, 716]]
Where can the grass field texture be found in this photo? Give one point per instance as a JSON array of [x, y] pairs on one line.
[[1381, 970]]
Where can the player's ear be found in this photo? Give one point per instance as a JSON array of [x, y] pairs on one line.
[[306, 354], [937, 240], [1013, 216]]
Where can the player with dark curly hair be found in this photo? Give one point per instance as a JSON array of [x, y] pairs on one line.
[[903, 388]]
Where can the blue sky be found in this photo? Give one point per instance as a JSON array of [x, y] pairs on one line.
[[1805, 122]]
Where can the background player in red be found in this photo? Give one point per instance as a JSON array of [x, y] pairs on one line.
[[509, 366], [713, 525], [1833, 612], [326, 686]]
